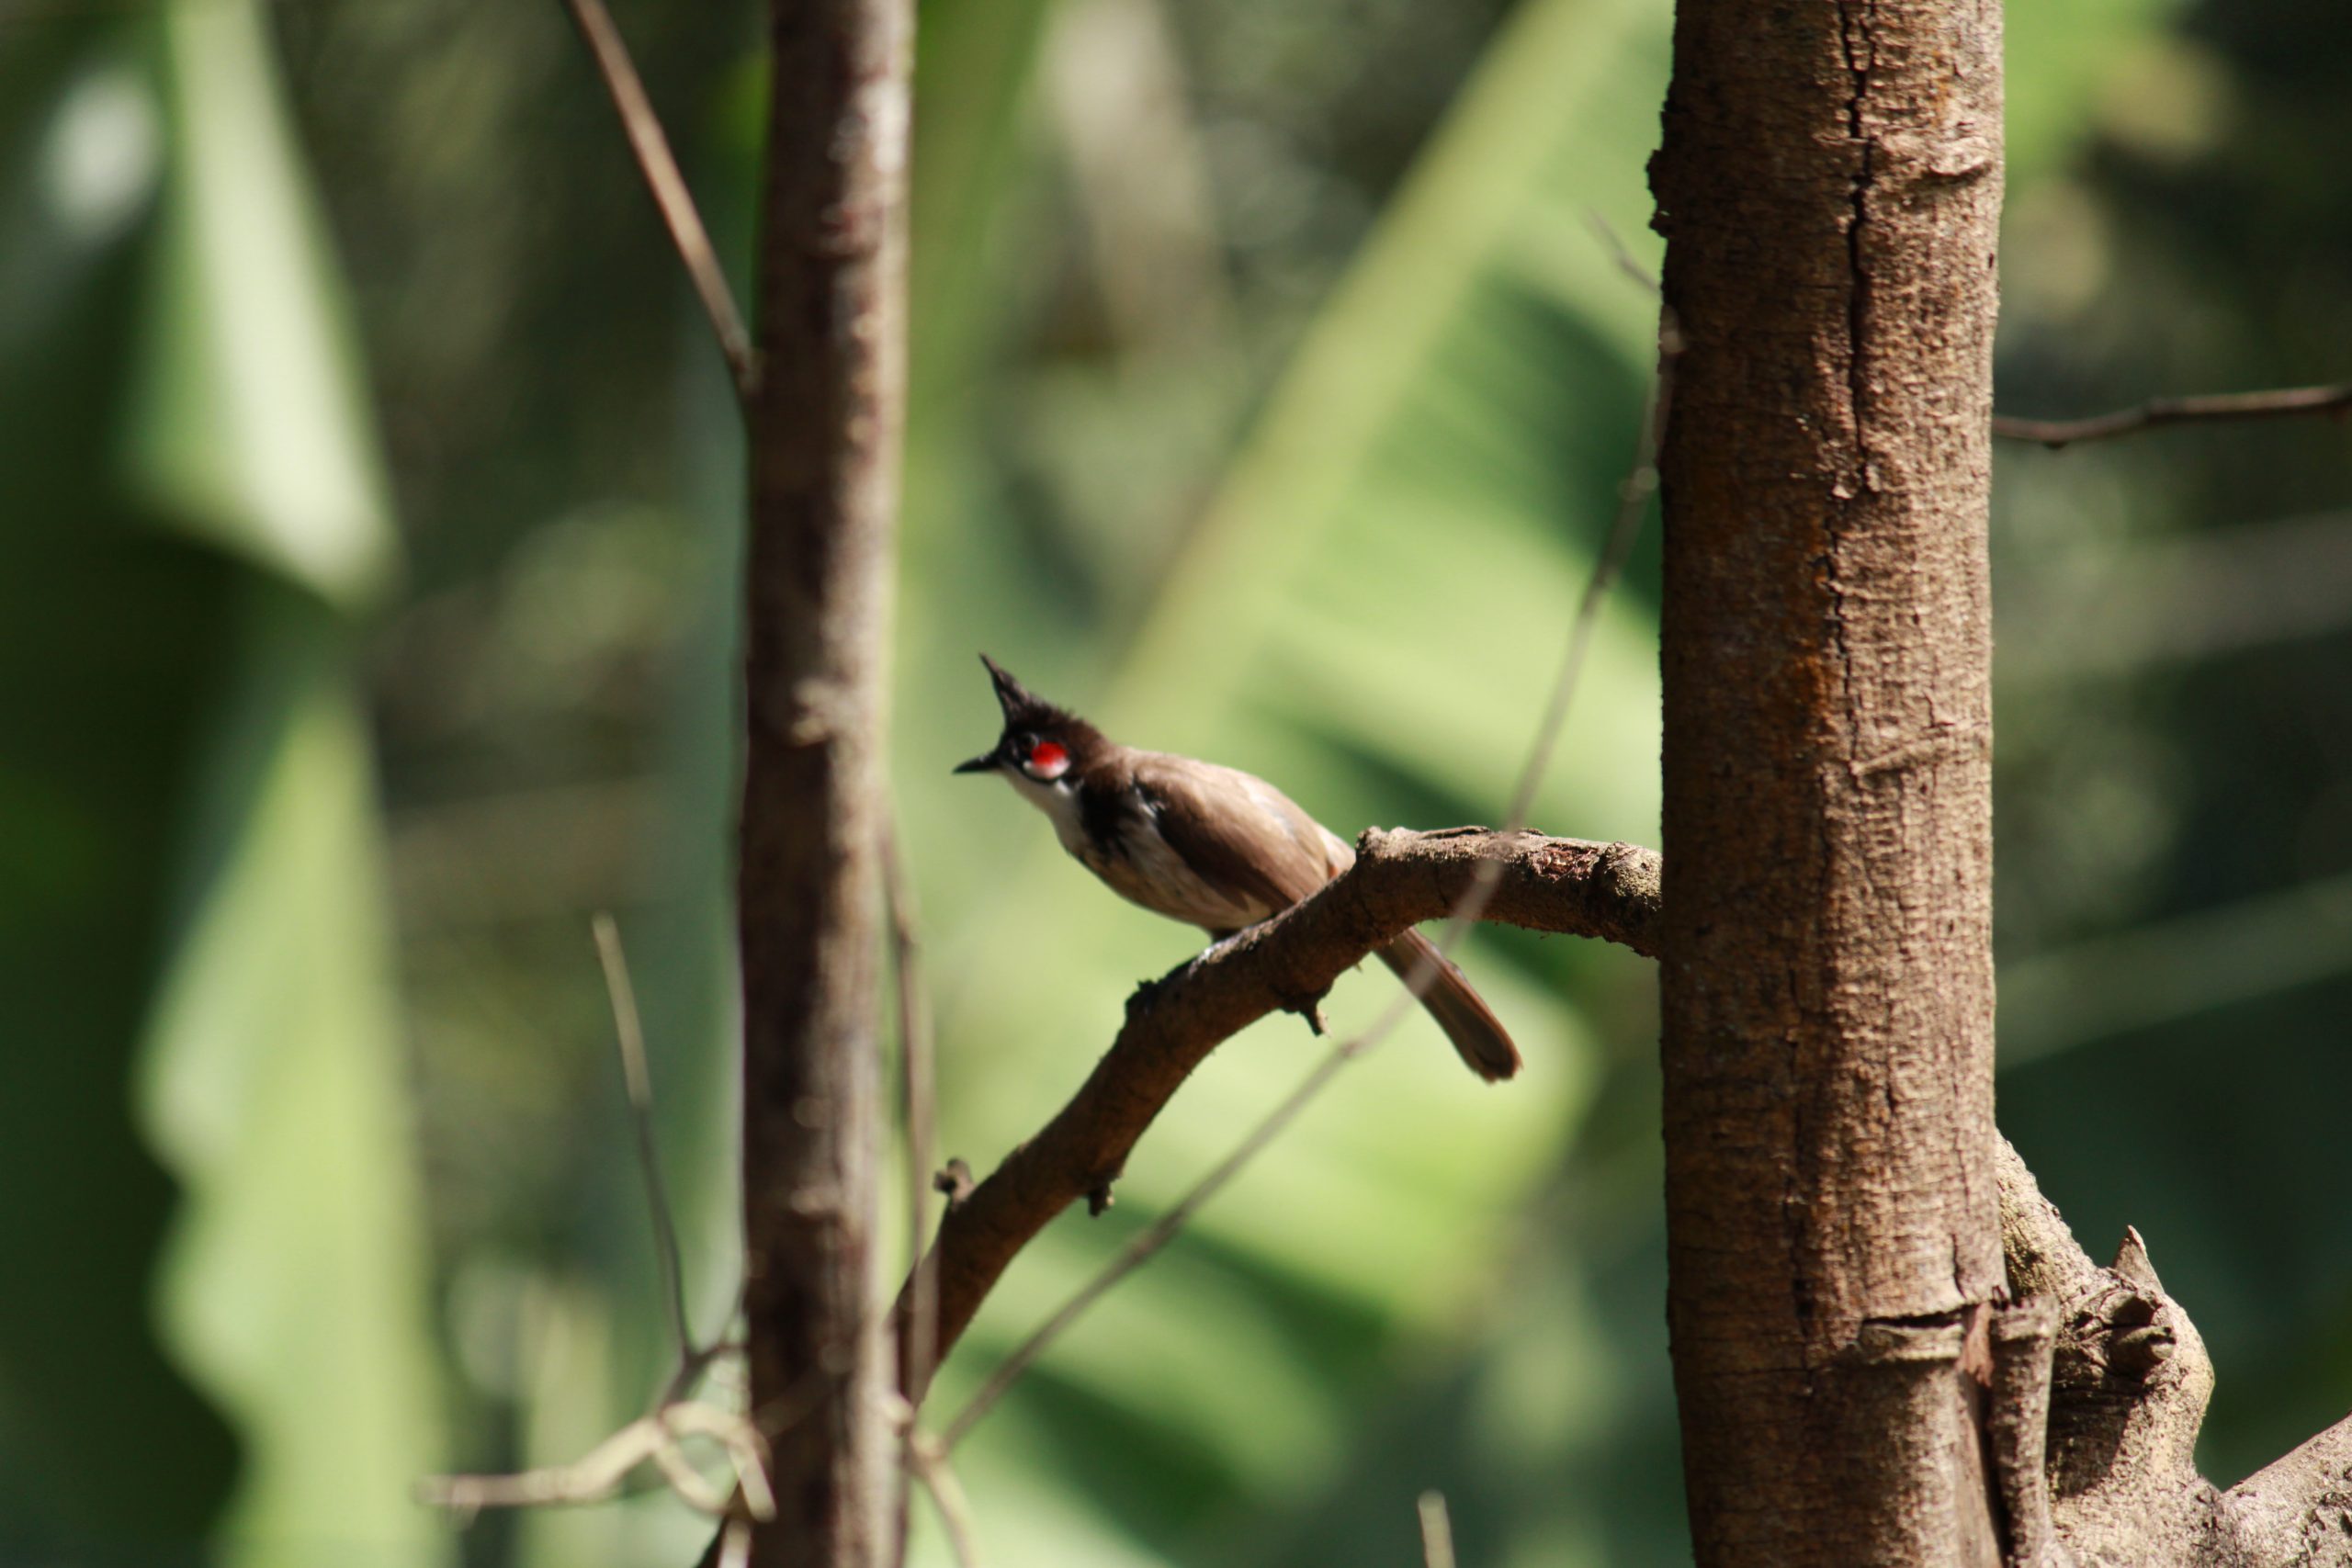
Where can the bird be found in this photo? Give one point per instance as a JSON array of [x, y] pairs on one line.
[[1208, 845]]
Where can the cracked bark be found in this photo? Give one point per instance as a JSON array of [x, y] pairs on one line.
[[824, 450], [1873, 1366], [1829, 191]]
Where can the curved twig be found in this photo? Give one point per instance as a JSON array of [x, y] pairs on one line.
[[2282, 403], [679, 215], [1608, 891]]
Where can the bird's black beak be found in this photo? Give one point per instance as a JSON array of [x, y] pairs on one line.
[[1014, 699], [1024, 709]]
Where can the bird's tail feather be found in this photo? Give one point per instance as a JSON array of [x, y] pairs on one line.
[[1476, 1031]]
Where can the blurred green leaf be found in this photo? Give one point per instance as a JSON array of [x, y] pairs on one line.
[[193, 519], [2165, 970], [254, 431], [2058, 55], [295, 1283], [105, 634], [972, 75]]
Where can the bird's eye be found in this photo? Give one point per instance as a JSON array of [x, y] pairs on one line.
[[1046, 760]]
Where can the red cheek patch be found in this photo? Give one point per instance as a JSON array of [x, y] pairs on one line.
[[1049, 761]]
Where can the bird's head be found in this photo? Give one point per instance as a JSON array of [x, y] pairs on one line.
[[1041, 744]]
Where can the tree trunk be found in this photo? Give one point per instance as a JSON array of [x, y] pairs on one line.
[[824, 434], [1829, 189]]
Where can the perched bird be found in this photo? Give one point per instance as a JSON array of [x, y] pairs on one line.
[[1211, 846]]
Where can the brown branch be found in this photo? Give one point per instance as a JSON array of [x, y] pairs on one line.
[[2039, 1250], [2298, 1508], [2284, 402], [824, 450], [1609, 891], [1147, 1242], [660, 168], [1632, 497], [2128, 1385], [2019, 1424]]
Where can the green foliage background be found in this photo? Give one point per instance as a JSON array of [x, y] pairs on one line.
[[370, 516]]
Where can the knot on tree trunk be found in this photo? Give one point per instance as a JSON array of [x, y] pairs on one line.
[[2127, 1380]]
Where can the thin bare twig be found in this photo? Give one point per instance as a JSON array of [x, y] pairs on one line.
[[916, 1114], [1149, 1240], [660, 168], [2284, 402], [686, 1481], [1633, 503], [691, 1368], [653, 1438], [629, 1029], [1619, 252], [591, 1478], [926, 1460], [1437, 1531], [1634, 494], [918, 1107], [746, 1448], [598, 1474]]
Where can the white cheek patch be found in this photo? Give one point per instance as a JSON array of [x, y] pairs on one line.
[[1058, 801]]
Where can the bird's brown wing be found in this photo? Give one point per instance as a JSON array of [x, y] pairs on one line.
[[1254, 844], [1237, 831]]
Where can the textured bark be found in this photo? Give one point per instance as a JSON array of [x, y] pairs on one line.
[[1609, 891], [2125, 1381], [824, 435], [1829, 189]]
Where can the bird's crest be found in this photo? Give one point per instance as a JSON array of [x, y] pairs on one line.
[[1025, 709]]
